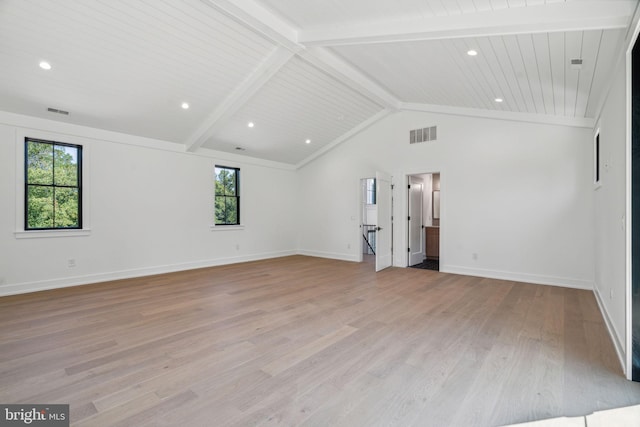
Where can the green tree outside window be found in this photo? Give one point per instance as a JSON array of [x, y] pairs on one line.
[[227, 196], [53, 192]]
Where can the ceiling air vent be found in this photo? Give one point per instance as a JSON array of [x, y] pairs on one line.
[[423, 135], [576, 64], [55, 110]]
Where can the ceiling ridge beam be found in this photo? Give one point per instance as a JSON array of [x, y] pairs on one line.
[[259, 19], [556, 17], [325, 60], [256, 17], [580, 122], [239, 97]]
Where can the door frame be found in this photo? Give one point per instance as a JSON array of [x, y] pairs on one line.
[[384, 258], [628, 213], [422, 228], [404, 262], [358, 228], [358, 221]]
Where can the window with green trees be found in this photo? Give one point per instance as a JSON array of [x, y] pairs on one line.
[[227, 197], [53, 185]]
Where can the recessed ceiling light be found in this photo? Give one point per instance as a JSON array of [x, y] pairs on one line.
[[472, 52], [185, 105], [250, 124], [308, 141], [45, 65], [498, 99]]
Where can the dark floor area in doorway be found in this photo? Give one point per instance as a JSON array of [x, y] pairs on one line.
[[428, 264]]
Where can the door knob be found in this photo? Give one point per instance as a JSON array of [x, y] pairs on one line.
[[379, 228]]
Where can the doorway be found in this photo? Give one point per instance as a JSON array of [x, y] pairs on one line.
[[423, 228], [375, 225], [368, 219]]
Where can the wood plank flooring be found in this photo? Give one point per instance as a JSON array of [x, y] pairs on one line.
[[310, 342]]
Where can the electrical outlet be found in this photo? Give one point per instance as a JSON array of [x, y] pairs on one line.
[[348, 245], [237, 247], [474, 256], [71, 263]]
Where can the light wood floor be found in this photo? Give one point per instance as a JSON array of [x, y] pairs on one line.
[[307, 341]]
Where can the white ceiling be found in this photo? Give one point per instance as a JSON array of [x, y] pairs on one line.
[[335, 12], [318, 69], [531, 72]]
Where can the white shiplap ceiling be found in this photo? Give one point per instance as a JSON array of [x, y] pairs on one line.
[[530, 72], [311, 105], [123, 66], [331, 13], [318, 69]]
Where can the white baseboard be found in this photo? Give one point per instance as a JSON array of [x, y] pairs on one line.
[[617, 342], [23, 288], [519, 277], [330, 255]]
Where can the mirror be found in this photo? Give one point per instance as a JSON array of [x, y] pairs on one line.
[[436, 204]]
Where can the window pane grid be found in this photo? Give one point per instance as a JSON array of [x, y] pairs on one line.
[[53, 190], [227, 198]]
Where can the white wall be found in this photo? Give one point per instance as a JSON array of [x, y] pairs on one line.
[[516, 194], [610, 205], [150, 210], [513, 193]]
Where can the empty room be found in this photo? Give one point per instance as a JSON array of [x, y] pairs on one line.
[[319, 213]]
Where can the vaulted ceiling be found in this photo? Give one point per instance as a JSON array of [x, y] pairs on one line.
[[314, 70]]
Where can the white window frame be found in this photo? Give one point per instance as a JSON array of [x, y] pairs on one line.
[[20, 232]]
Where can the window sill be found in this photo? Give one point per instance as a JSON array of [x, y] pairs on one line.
[[226, 227], [41, 234]]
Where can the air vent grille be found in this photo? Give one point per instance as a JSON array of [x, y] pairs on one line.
[[423, 135], [55, 110], [576, 64]]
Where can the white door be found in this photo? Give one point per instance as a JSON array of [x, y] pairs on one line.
[[383, 234], [416, 232]]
